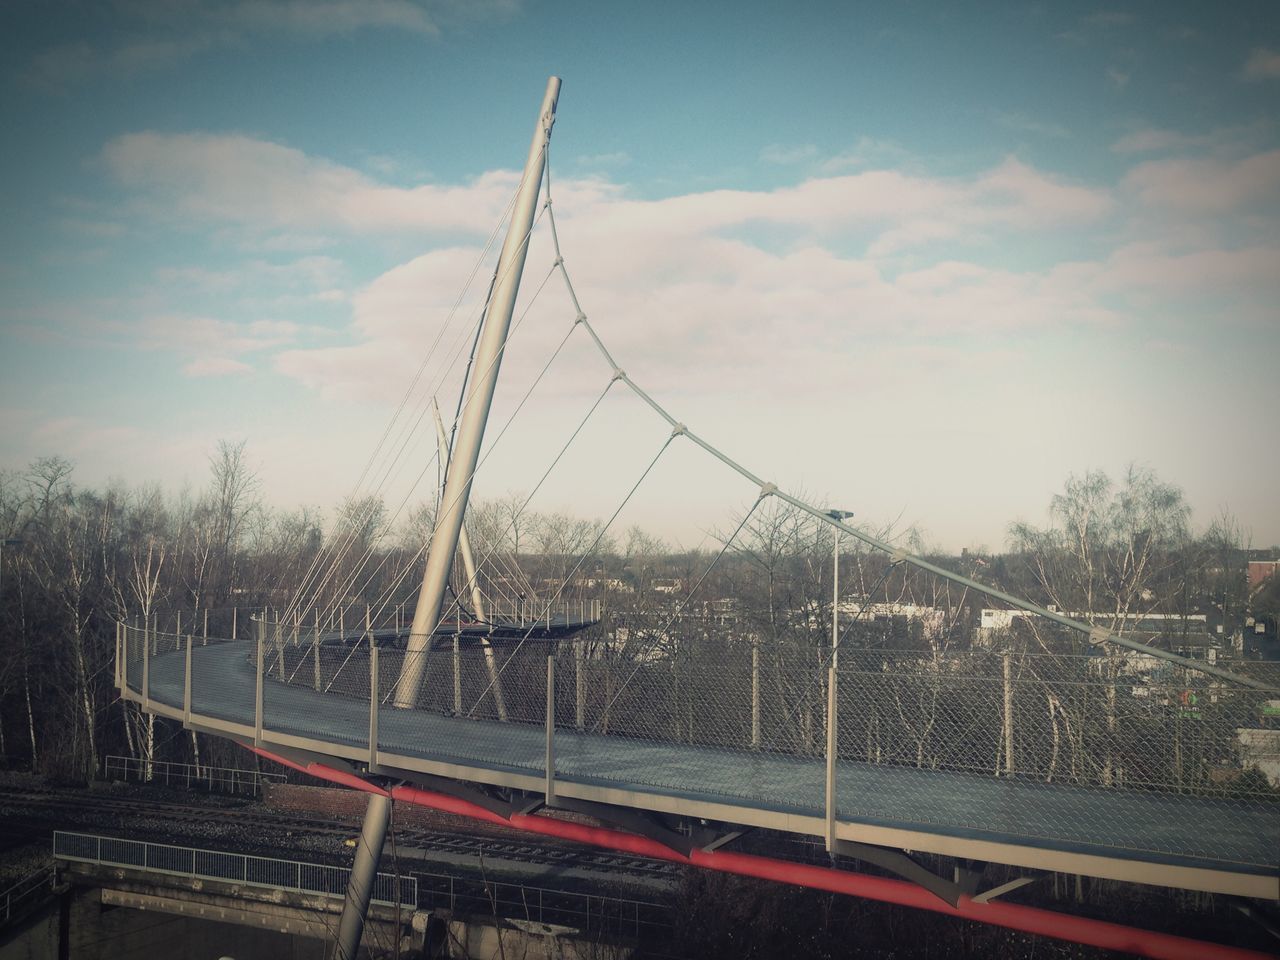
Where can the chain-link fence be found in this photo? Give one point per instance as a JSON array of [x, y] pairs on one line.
[[1001, 737]]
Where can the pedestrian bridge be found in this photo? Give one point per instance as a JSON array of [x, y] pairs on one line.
[[1069, 764]]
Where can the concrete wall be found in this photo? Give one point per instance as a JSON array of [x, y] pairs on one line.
[[105, 933]]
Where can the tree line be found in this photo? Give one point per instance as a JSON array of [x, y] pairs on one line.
[[86, 558]]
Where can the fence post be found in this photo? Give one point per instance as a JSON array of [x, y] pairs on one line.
[[551, 731], [457, 675], [755, 692], [315, 650], [579, 689], [186, 687], [831, 759], [257, 696], [280, 648], [373, 704], [1008, 716], [234, 612], [204, 635]]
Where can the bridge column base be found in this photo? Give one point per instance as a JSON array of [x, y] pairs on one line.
[[355, 905]]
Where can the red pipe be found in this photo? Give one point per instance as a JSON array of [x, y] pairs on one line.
[[1049, 923]]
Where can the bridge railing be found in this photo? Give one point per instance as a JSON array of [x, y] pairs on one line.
[[1091, 720], [224, 779], [18, 899], [272, 872]]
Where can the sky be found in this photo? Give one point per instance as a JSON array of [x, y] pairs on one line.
[[918, 261]]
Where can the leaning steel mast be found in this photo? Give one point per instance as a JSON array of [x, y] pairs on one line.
[[444, 541], [475, 414]]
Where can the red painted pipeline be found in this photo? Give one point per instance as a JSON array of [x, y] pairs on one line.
[[1048, 923]]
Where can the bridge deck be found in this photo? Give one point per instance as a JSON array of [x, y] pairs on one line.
[[1144, 836]]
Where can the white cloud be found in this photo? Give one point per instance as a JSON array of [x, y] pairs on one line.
[[241, 180], [215, 367], [1207, 186], [1263, 64]]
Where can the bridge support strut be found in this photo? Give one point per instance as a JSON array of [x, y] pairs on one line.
[[364, 871]]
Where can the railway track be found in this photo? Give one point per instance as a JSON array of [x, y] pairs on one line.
[[29, 813]]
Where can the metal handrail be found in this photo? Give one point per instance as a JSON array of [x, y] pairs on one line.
[[251, 869]]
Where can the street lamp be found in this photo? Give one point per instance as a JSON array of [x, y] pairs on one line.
[[836, 515]]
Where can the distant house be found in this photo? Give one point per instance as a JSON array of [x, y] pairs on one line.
[[1187, 635], [1261, 571]]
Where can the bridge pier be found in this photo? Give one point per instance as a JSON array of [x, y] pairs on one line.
[[364, 871]]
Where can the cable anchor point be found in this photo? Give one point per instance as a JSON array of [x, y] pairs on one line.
[[768, 490], [679, 430], [618, 372]]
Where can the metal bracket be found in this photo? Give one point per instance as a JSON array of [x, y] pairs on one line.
[[968, 876], [899, 863], [636, 822], [1016, 883], [1099, 635], [302, 758], [456, 789], [726, 838]]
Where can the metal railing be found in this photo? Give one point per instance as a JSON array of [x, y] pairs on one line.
[[271, 872], [1109, 721], [224, 779], [20, 898], [594, 915]]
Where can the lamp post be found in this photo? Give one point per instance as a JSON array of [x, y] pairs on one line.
[[835, 588]]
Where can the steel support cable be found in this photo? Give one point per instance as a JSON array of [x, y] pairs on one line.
[[1095, 634], [556, 460], [422, 404], [404, 440], [421, 408], [421, 368], [680, 608], [524, 241], [815, 680], [520, 406], [385, 598], [581, 560], [497, 359]]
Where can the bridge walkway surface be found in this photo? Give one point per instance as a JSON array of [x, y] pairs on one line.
[[1124, 834]]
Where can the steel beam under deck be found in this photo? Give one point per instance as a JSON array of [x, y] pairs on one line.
[[1097, 933]]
